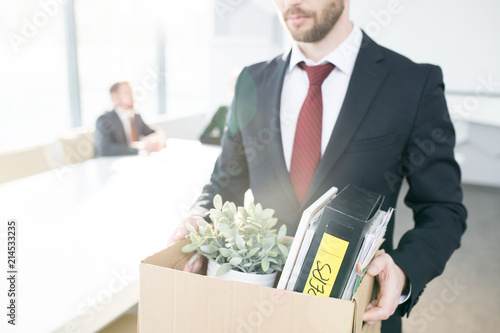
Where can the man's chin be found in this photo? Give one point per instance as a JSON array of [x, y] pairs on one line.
[[300, 37], [299, 34]]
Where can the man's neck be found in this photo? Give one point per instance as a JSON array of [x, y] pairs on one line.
[[317, 51]]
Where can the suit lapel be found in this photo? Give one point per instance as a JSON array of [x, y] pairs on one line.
[[273, 84], [365, 81]]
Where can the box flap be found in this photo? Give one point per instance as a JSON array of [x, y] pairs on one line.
[[171, 256], [362, 297]]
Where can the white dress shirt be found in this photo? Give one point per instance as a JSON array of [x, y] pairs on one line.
[[334, 88], [125, 116]]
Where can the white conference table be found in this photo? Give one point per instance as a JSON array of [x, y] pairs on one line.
[[83, 230]]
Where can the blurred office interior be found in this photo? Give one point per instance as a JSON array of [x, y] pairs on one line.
[[59, 58]]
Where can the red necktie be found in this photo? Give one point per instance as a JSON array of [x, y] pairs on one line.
[[307, 143], [133, 129]]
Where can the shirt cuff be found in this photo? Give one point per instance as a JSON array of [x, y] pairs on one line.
[[404, 297]]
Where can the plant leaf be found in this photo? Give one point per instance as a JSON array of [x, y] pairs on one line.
[[202, 223], [209, 249], [271, 223], [281, 233], [225, 230], [240, 243], [201, 231], [267, 213], [190, 228], [251, 226], [189, 248], [215, 215], [243, 212], [265, 264], [226, 207], [224, 268], [209, 231], [252, 252], [218, 202], [250, 243], [283, 249], [235, 261], [258, 210], [273, 260], [225, 252], [195, 239], [193, 258], [235, 232]]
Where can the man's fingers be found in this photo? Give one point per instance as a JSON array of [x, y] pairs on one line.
[[377, 265], [383, 307], [390, 289], [194, 267], [180, 233], [181, 230], [376, 314], [368, 315], [380, 309]]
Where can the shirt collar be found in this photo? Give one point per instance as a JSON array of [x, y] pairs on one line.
[[343, 57], [124, 113]]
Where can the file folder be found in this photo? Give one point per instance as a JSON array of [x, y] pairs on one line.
[[335, 246]]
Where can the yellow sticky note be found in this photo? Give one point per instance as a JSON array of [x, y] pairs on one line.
[[326, 266]]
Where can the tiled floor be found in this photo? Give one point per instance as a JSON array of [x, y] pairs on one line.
[[466, 298]]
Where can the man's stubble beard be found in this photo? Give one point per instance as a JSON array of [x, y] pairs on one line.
[[329, 17]]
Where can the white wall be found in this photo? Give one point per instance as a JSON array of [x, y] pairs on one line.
[[245, 32], [460, 36]]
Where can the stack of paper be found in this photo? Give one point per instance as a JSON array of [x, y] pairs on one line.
[[371, 244]]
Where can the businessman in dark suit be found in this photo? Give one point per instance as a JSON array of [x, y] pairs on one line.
[[118, 131], [339, 109]]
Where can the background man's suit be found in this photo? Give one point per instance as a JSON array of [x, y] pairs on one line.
[[110, 137], [393, 124]]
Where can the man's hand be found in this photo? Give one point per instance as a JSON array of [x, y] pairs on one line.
[[154, 142], [392, 281], [180, 233]]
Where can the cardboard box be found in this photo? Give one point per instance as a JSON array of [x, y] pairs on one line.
[[175, 301]]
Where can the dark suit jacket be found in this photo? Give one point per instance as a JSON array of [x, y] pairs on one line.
[[393, 125], [110, 138]]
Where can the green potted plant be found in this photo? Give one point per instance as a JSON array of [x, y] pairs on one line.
[[241, 243]]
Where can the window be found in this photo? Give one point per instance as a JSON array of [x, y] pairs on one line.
[[116, 41], [33, 89]]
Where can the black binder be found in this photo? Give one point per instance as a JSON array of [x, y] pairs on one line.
[[337, 241]]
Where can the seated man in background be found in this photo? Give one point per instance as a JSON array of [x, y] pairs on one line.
[[118, 131]]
